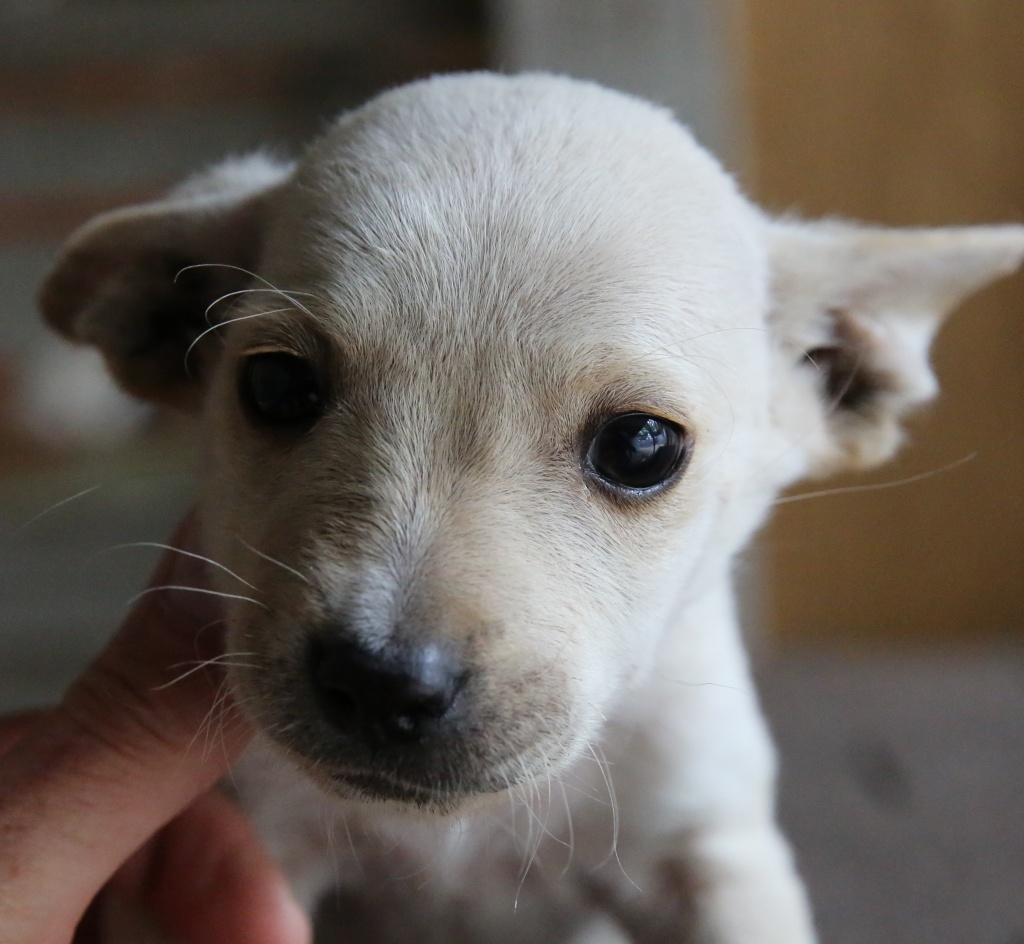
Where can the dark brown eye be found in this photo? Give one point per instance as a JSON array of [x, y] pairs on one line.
[[280, 389], [637, 451]]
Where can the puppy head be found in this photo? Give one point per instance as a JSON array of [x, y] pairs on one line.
[[500, 376]]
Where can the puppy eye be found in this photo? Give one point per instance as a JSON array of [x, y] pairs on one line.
[[638, 451], [280, 389]]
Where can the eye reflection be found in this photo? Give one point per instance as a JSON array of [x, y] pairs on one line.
[[637, 451]]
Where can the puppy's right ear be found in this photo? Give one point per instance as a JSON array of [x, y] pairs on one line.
[[854, 312], [139, 283]]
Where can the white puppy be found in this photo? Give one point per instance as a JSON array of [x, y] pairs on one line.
[[494, 383]]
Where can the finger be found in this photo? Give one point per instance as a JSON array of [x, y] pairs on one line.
[[113, 763], [208, 879], [14, 727]]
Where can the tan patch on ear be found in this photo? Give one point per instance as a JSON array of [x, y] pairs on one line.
[[851, 380]]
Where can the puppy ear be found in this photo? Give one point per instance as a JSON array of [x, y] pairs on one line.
[[855, 309], [137, 283]]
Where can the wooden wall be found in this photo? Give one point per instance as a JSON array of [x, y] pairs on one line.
[[905, 112]]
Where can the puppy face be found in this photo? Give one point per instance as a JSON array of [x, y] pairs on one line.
[[483, 345], [518, 372]]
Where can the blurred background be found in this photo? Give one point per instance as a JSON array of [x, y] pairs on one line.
[[892, 619]]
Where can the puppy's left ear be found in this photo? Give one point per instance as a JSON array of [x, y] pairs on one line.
[[854, 311], [142, 283]]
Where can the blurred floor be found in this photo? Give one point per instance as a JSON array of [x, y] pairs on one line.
[[902, 791]]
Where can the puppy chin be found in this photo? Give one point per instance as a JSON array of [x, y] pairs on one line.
[[451, 796], [442, 780], [486, 743], [377, 789]]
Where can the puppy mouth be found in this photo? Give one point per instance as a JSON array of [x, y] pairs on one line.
[[374, 785], [441, 772], [424, 782], [442, 780], [479, 747]]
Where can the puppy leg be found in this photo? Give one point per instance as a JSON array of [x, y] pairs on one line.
[[702, 790], [747, 890]]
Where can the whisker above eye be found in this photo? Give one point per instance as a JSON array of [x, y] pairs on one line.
[[243, 291], [251, 274], [697, 337], [222, 324]]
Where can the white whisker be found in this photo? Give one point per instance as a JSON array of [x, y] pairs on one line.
[[273, 560], [697, 337], [242, 291], [178, 550], [251, 274], [569, 827], [217, 718], [56, 505], [329, 827], [204, 726], [223, 324], [205, 590], [222, 660], [877, 486], [605, 768]]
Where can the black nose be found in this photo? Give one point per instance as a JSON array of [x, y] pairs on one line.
[[393, 694]]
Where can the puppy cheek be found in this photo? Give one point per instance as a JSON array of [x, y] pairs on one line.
[[583, 679]]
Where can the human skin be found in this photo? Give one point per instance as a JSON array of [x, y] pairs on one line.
[[114, 789]]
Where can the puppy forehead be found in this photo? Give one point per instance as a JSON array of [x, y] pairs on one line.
[[486, 220]]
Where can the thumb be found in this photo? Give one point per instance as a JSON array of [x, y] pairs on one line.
[[121, 755]]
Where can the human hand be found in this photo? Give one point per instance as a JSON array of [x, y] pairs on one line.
[[115, 787]]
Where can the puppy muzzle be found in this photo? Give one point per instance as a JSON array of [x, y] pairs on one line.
[[393, 694]]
